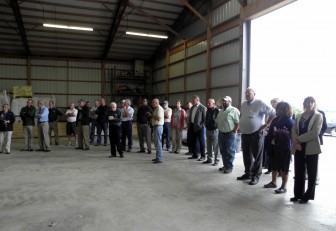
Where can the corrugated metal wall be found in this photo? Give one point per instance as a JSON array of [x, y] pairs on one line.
[[66, 80], [187, 76]]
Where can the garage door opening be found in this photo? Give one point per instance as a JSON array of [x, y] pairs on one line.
[[293, 53]]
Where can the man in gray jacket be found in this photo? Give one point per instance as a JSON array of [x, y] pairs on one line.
[[196, 128]]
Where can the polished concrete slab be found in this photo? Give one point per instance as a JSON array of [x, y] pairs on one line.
[[68, 189]]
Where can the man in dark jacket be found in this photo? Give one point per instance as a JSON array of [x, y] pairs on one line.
[[102, 122], [114, 118], [143, 126], [83, 125], [211, 132], [52, 120], [196, 128], [27, 115]]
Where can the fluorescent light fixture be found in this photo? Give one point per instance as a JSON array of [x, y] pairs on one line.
[[147, 35], [67, 27]]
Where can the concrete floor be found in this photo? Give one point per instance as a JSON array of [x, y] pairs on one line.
[[74, 190]]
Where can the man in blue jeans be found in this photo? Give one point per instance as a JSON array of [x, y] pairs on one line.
[[228, 124], [157, 121]]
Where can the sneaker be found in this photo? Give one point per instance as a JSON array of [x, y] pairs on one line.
[[141, 151], [149, 152], [227, 171], [244, 177], [270, 185], [280, 190], [76, 145]]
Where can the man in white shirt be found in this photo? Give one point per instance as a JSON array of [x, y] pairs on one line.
[[126, 125], [166, 126], [252, 123], [71, 115], [157, 121]]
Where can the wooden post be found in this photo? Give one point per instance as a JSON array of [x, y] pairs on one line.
[[29, 71], [208, 51], [102, 79], [167, 73]]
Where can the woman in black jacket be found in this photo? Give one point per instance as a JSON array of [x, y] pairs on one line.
[[7, 119]]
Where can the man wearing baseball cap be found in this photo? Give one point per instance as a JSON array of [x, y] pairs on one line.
[[228, 124]]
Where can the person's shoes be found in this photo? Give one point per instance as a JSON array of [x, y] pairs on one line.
[[270, 185], [192, 157], [149, 152], [23, 150], [129, 150], [31, 150], [47, 150], [111, 156], [188, 153], [56, 143], [215, 164], [303, 201], [105, 144], [177, 152], [294, 199], [201, 159], [207, 162], [87, 149], [157, 162], [244, 177], [221, 169], [7, 153], [280, 190], [155, 159], [121, 155], [171, 152], [79, 148], [97, 144], [268, 172], [141, 151], [254, 181], [167, 149], [39, 150], [227, 171]]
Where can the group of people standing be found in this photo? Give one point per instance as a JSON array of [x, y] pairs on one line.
[[218, 127]]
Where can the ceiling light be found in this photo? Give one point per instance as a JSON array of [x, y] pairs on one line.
[[67, 27], [147, 35]]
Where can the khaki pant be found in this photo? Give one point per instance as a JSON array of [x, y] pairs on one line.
[[43, 135], [144, 131], [5, 141], [83, 136], [176, 134], [54, 127], [28, 132]]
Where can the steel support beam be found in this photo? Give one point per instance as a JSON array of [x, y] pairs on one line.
[[144, 13], [18, 17], [121, 7], [262, 7]]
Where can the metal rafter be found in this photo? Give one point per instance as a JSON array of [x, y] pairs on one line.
[[242, 2], [122, 4], [190, 7], [144, 13], [18, 17]]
